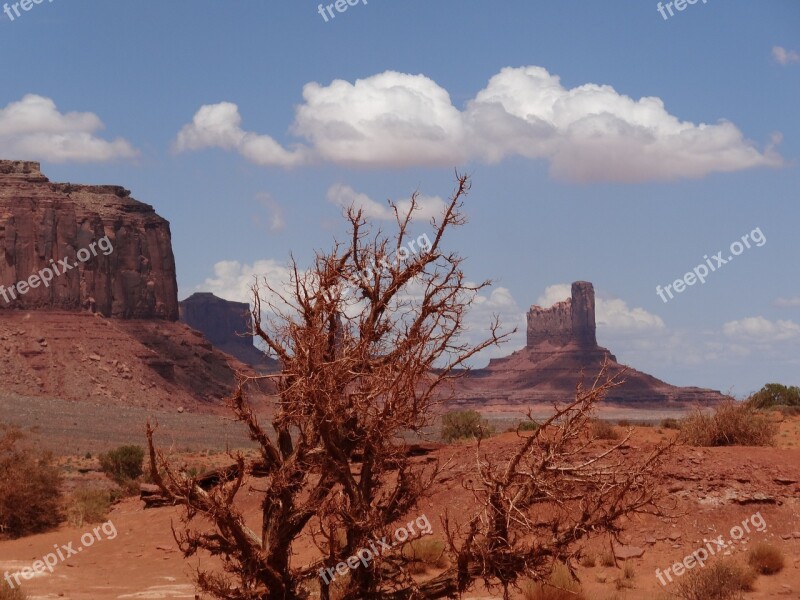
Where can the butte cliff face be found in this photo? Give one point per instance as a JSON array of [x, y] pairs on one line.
[[227, 325], [43, 224], [561, 349]]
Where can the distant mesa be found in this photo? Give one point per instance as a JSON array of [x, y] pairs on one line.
[[562, 345], [42, 223], [227, 325]]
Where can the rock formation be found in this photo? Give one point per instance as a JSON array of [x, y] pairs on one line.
[[44, 223], [226, 324], [561, 348]]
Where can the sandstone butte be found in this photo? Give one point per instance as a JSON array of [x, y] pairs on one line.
[[561, 350], [40, 221], [107, 330]]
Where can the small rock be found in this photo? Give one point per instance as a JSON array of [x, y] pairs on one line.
[[180, 409], [626, 552], [94, 357], [674, 536]]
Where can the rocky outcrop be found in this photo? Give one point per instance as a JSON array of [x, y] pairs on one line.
[[45, 225], [227, 325], [562, 350], [567, 322]]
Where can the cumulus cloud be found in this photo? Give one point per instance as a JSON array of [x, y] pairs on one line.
[[233, 280], [219, 125], [587, 133], [792, 302], [34, 129], [759, 329], [344, 196], [612, 315], [782, 56]]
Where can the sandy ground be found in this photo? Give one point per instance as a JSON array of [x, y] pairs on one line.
[[716, 489]]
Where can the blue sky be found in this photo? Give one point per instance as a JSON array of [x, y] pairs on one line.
[[605, 143]]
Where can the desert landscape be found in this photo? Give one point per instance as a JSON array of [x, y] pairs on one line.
[[230, 370]]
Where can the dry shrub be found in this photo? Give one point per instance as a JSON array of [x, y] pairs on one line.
[[670, 424], [464, 425], [88, 505], [588, 561], [607, 559], [9, 593], [624, 423], [766, 559], [603, 430], [721, 580], [424, 553], [30, 495], [560, 586], [732, 424]]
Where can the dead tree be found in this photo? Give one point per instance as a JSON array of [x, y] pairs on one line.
[[367, 340]]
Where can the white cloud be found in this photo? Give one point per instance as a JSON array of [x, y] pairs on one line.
[[613, 315], [233, 280], [792, 302], [219, 125], [277, 221], [758, 329], [34, 129], [587, 133], [344, 196], [782, 56]]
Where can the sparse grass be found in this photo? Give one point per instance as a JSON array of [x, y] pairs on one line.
[[603, 430], [765, 559], [424, 553], [88, 505], [628, 571], [721, 580], [624, 423], [8, 593], [607, 559], [560, 586], [588, 561], [732, 424]]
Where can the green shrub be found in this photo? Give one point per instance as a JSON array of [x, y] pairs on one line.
[[603, 430], [528, 426], [775, 394], [766, 559], [464, 424], [732, 424], [30, 494], [9, 593], [721, 580], [88, 505], [123, 463]]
